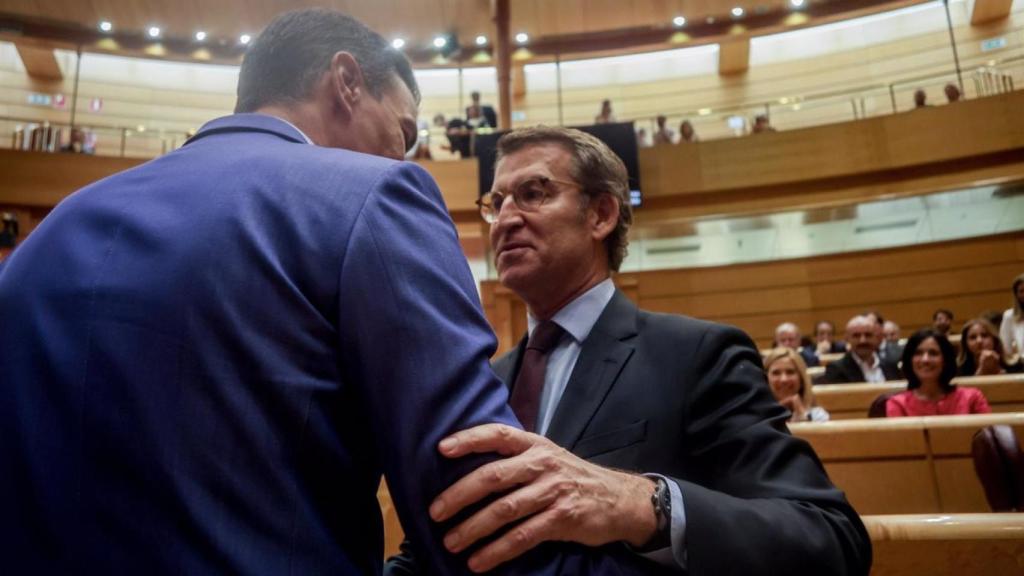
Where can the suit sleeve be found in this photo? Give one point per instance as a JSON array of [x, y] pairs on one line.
[[832, 374], [757, 500], [416, 346]]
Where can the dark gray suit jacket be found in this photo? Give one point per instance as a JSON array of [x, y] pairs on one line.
[[846, 370], [688, 399]]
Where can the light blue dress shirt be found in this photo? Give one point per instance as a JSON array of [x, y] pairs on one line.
[[577, 318]]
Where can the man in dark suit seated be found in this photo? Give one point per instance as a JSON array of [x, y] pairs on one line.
[[680, 404], [787, 335], [209, 360], [861, 362]]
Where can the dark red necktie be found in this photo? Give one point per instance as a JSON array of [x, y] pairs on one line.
[[525, 400]]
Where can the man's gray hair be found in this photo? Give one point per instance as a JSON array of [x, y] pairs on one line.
[[594, 167]]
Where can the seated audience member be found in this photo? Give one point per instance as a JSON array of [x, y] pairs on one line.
[[687, 133], [891, 334], [787, 335], [791, 386], [929, 362], [825, 336], [78, 144], [920, 98], [981, 351], [664, 134], [460, 139], [761, 125], [861, 362], [1011, 329], [606, 116], [8, 230], [643, 140], [952, 93], [888, 351], [994, 317], [942, 321]]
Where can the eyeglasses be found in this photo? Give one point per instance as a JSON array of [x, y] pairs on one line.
[[528, 196]]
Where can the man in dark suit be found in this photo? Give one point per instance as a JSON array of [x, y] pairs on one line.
[[861, 363], [209, 360], [787, 335], [679, 403], [480, 115]]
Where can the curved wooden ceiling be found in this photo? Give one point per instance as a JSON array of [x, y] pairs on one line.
[[555, 26]]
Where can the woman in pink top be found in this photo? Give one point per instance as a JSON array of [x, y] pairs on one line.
[[929, 363]]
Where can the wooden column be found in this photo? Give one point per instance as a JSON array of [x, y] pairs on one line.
[[503, 53], [989, 10]]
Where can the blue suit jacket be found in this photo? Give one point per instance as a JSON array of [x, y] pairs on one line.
[[208, 361]]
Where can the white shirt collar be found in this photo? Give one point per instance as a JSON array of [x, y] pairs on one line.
[[579, 316]]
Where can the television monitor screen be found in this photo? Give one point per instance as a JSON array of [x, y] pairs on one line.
[[619, 136]]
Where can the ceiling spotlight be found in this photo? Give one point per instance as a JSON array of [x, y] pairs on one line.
[[679, 21], [481, 40], [737, 12], [200, 36], [245, 38], [106, 26], [397, 43], [153, 31], [440, 41], [522, 38], [796, 3]]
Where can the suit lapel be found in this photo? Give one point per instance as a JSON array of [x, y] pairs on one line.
[[605, 352], [856, 374], [507, 367]]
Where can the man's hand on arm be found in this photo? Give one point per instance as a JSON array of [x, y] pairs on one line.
[[552, 495]]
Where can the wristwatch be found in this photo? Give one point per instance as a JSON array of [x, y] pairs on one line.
[[662, 502]]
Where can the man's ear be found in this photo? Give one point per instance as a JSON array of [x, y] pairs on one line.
[[346, 82], [604, 215]]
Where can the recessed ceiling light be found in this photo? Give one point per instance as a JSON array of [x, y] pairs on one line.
[[200, 36], [244, 38], [481, 40], [397, 43], [679, 21], [737, 11], [153, 31], [796, 3], [522, 38], [106, 26], [440, 41]]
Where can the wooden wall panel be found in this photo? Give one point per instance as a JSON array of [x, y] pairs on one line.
[[905, 284]]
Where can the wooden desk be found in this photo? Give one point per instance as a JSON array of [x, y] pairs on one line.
[[1005, 393], [956, 544], [905, 465]]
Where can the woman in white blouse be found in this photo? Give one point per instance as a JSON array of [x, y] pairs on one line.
[[1011, 331]]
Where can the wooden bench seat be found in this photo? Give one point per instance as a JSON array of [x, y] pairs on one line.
[[905, 465]]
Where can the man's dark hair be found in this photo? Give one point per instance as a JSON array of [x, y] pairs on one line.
[[878, 317], [288, 58], [948, 313], [948, 359]]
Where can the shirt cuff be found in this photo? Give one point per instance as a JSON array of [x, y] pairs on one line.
[[674, 555]]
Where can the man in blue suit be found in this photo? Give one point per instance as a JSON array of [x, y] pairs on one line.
[[209, 360]]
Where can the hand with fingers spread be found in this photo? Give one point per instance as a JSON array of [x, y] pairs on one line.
[[554, 496]]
